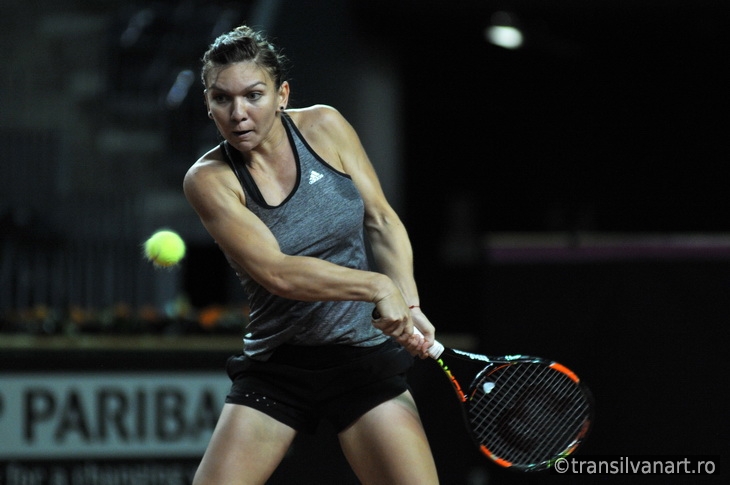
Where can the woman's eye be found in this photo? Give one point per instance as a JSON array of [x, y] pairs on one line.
[[254, 96]]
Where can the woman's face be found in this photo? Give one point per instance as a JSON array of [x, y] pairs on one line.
[[243, 101]]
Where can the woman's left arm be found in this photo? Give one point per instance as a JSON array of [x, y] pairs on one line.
[[391, 247]]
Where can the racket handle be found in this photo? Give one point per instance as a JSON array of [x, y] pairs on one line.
[[434, 351]]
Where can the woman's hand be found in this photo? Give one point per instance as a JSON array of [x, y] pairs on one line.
[[399, 324], [424, 325]]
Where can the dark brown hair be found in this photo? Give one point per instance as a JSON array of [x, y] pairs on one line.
[[244, 44]]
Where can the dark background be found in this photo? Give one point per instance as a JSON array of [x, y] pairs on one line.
[[611, 122]]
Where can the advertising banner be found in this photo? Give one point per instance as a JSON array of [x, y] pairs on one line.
[[111, 427]]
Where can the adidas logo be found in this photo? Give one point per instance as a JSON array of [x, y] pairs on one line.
[[314, 176]]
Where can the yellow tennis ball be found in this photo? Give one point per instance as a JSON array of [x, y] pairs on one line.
[[164, 248]]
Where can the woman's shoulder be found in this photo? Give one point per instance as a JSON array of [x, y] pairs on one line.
[[211, 165], [211, 158], [318, 115], [321, 123], [208, 180]]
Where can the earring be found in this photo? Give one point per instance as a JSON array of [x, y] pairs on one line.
[[210, 115], [281, 108]]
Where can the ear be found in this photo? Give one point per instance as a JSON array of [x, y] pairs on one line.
[[284, 94]]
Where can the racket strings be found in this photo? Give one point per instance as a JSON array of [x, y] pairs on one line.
[[518, 433], [535, 423], [526, 418], [568, 422], [532, 414]]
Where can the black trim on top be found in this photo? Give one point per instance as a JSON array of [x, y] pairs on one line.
[[235, 160], [309, 147]]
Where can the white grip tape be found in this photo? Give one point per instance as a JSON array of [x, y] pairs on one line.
[[436, 349]]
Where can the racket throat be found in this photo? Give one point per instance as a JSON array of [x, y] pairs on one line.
[[454, 383]]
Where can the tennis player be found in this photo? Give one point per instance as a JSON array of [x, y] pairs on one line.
[[289, 196]]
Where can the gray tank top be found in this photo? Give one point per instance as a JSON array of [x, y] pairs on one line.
[[321, 218]]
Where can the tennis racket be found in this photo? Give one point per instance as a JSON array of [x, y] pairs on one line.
[[522, 412]]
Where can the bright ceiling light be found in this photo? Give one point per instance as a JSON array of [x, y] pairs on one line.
[[504, 36], [504, 30]]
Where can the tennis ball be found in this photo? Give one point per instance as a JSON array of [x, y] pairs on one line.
[[164, 248]]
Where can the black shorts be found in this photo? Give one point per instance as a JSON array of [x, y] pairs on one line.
[[299, 386]]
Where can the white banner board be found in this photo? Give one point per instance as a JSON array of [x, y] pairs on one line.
[[108, 415]]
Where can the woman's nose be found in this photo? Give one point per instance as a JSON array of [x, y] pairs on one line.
[[238, 111]]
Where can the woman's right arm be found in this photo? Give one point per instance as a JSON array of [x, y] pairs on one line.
[[214, 192]]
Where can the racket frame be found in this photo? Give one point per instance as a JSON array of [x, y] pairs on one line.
[[446, 359]]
